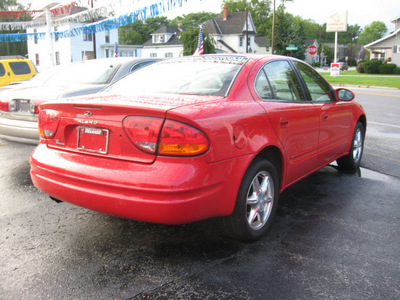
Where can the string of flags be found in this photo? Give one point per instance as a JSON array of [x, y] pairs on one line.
[[153, 9]]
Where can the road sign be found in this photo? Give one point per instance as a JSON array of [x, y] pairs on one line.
[[291, 47], [312, 50], [335, 69]]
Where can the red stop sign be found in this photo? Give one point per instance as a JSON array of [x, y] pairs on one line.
[[312, 50]]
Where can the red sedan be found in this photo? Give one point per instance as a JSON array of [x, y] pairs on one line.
[[198, 137]]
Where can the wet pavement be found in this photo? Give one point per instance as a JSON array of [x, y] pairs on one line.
[[336, 236]]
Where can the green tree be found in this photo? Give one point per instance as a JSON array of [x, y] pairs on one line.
[[190, 40], [289, 29], [139, 32], [13, 48], [193, 20], [372, 32]]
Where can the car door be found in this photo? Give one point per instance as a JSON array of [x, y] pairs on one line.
[[335, 116], [294, 120]]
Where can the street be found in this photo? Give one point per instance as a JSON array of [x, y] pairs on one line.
[[335, 236]]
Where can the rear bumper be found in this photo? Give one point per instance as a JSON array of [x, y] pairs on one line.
[[169, 191], [19, 130]]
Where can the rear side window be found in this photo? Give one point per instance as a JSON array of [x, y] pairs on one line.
[[2, 70], [277, 80], [20, 68]]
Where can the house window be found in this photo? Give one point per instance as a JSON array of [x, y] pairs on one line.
[[36, 36], [169, 55], [57, 58], [37, 59], [107, 53], [241, 41], [87, 37], [153, 55], [395, 49], [56, 36], [107, 36]]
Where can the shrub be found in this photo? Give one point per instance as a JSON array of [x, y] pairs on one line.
[[386, 68], [372, 66], [396, 71], [360, 67], [351, 62]]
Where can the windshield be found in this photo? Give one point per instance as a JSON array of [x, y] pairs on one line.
[[196, 75]]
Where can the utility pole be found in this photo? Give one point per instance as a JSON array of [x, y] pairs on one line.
[[94, 38], [273, 30], [247, 32]]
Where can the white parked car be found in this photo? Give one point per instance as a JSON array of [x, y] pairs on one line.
[[19, 104]]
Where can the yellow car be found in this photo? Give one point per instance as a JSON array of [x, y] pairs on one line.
[[15, 68]]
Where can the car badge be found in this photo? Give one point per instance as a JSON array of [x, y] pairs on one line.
[[88, 113]]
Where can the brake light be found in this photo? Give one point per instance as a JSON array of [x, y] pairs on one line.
[[4, 105], [153, 135], [143, 132], [34, 107], [48, 123]]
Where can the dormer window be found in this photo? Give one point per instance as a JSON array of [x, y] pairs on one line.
[[162, 39]]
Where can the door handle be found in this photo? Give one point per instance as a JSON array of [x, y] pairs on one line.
[[324, 117], [284, 122]]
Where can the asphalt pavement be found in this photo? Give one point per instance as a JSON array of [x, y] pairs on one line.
[[336, 236]]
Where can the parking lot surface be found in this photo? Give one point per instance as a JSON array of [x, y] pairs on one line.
[[336, 236]]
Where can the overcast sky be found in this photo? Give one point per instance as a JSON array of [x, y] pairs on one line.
[[361, 12]]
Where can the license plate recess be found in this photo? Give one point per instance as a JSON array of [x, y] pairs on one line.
[[92, 139]]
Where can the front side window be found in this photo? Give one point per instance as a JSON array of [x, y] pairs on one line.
[[20, 68], [277, 80], [318, 88]]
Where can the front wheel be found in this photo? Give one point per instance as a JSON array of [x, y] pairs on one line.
[[352, 160], [256, 202]]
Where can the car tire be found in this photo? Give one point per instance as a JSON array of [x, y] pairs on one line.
[[352, 160], [256, 203]]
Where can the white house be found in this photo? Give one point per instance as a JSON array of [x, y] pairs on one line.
[[70, 49], [164, 43], [388, 47], [230, 30]]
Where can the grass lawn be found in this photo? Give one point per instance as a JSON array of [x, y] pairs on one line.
[[355, 78]]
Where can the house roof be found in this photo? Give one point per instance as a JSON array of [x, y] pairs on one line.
[[261, 41], [382, 39], [168, 29], [234, 24]]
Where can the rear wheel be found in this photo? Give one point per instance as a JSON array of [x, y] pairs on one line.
[[353, 160], [256, 202]]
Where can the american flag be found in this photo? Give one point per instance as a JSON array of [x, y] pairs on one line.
[[200, 45], [115, 54]]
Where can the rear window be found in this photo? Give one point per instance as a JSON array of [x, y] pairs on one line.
[[91, 72], [20, 68], [197, 75], [2, 70]]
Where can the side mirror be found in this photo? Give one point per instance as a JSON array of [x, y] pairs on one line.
[[344, 94]]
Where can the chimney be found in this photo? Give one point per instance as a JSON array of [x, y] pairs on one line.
[[225, 12]]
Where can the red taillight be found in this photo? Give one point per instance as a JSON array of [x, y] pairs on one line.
[[4, 106], [173, 138], [143, 132], [48, 123], [181, 139]]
